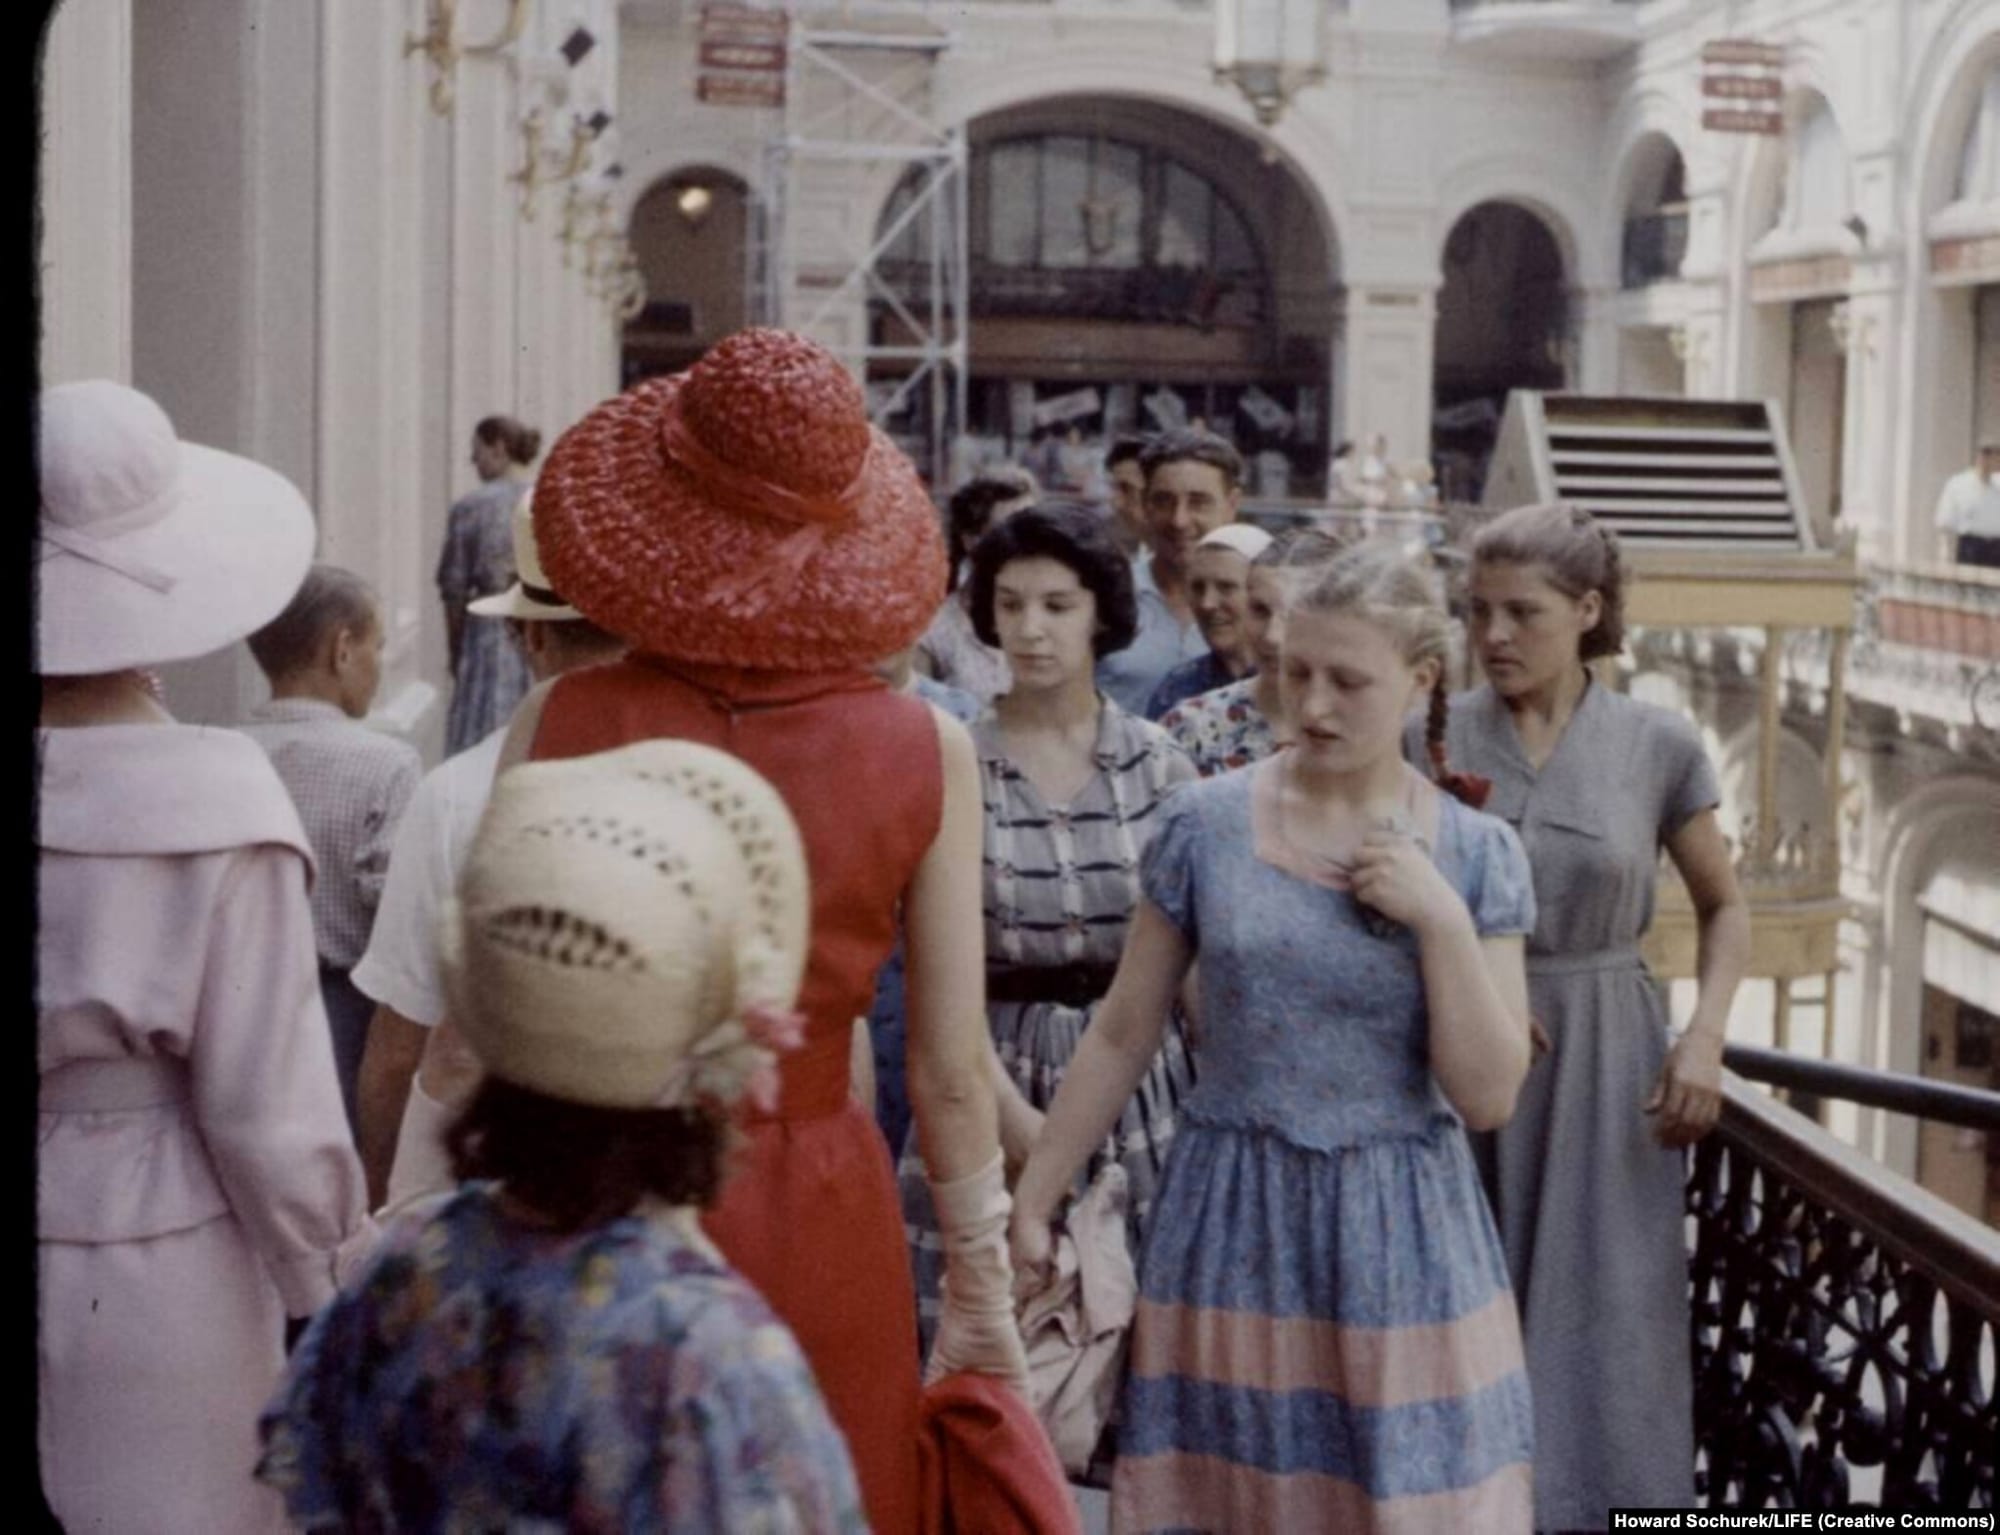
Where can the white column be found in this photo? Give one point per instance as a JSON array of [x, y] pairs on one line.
[[537, 393], [369, 355], [1596, 363], [1390, 333], [85, 259], [1698, 342], [1872, 408], [485, 258]]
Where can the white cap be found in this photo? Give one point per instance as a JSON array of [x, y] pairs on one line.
[[1244, 538]]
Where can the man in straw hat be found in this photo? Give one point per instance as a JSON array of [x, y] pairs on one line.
[[399, 971], [555, 1344], [196, 1181]]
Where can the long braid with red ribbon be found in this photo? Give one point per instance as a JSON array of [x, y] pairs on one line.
[[1468, 787]]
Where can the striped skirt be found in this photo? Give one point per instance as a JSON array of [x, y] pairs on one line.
[[1035, 1041], [1325, 1340]]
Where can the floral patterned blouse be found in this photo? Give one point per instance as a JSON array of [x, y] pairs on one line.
[[1223, 729], [481, 1375]]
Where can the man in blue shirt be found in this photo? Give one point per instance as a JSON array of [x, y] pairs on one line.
[[1194, 485]]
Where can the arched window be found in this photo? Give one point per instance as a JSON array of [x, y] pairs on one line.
[[1656, 213], [1094, 226], [1816, 191]]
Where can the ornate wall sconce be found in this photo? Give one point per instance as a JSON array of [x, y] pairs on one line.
[[603, 234], [439, 43], [570, 232], [539, 168], [625, 284]]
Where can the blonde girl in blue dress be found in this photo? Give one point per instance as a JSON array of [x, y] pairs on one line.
[[1325, 1338]]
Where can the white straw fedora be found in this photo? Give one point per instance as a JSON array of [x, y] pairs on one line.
[[153, 549], [530, 596]]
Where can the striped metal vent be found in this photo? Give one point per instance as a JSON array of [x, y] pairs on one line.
[[1666, 473]]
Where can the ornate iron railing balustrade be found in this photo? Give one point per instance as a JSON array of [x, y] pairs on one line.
[[1845, 1322]]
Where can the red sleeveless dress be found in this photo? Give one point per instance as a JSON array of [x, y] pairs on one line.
[[810, 1215]]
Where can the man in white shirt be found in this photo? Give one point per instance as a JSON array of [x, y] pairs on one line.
[[1968, 511], [399, 971]]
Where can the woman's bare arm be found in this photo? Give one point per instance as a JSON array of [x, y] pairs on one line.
[[948, 1052], [1688, 1096], [1110, 1060]]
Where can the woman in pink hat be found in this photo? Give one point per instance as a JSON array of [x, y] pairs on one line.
[[761, 545], [196, 1182]]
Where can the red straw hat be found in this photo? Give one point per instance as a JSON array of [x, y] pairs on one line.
[[743, 513]]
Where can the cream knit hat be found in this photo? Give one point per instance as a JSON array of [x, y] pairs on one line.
[[630, 929]]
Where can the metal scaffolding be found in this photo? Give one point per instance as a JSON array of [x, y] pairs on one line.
[[860, 100]]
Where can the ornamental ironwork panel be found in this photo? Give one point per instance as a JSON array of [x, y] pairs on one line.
[[1844, 1327]]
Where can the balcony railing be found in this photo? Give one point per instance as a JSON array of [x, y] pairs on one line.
[[1927, 642], [1655, 246], [1845, 1320]]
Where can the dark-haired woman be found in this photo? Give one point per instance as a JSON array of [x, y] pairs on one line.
[[489, 673], [1072, 786], [556, 1345], [1587, 1179]]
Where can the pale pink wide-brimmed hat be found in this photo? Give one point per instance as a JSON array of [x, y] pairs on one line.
[[153, 549]]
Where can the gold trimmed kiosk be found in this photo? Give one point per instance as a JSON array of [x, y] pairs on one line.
[[1704, 497]]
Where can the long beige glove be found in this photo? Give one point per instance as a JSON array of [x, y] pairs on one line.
[[977, 1331]]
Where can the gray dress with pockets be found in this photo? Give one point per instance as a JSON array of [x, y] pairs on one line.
[[1589, 1204]]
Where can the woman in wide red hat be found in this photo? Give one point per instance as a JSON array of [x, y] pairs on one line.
[[759, 545]]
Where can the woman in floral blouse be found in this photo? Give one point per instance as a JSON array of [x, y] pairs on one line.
[[556, 1345], [1237, 724]]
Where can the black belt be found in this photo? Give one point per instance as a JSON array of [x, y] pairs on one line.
[[1064, 985]]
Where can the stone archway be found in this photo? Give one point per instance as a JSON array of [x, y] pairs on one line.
[[690, 227], [1132, 267], [1503, 322], [1922, 832]]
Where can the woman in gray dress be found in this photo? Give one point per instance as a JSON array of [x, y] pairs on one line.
[[489, 673], [1588, 1178]]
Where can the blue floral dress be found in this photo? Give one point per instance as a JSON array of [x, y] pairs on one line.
[[480, 1375], [1222, 729], [1325, 1337]]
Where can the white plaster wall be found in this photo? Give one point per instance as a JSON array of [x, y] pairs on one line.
[[84, 263], [369, 355]]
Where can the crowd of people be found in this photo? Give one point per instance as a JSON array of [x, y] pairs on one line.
[[881, 1019]]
